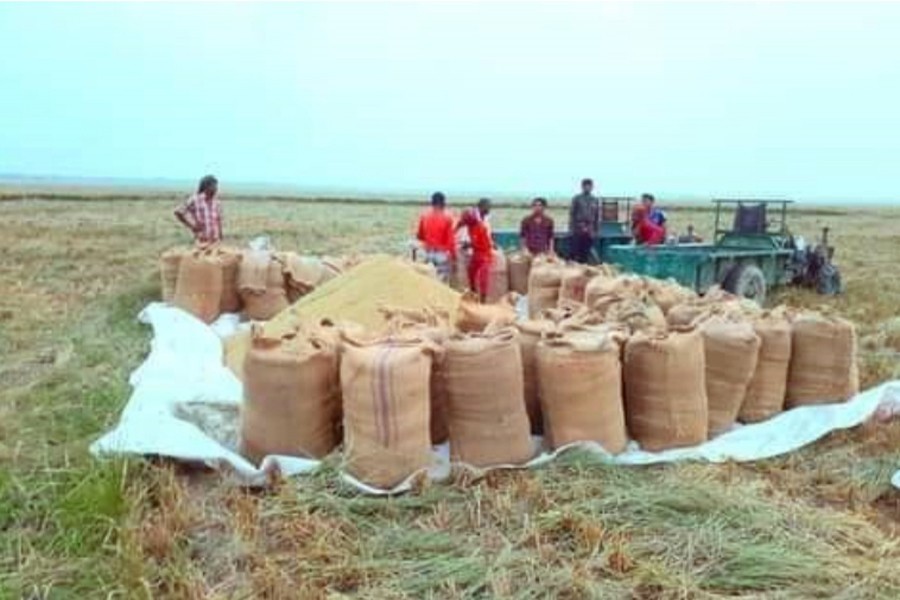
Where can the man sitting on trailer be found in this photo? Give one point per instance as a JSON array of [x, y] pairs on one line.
[[645, 231]]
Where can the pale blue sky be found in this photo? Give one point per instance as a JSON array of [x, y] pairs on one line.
[[799, 99]]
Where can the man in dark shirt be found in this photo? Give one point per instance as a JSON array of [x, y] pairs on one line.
[[584, 221], [536, 232]]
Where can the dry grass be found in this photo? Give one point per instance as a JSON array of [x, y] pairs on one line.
[[821, 522]]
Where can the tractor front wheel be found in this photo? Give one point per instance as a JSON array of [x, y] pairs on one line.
[[748, 282]]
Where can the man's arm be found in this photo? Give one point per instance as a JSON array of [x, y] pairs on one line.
[[552, 244], [185, 216], [522, 231]]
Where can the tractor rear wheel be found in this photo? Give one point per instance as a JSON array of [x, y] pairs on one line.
[[748, 282], [828, 282]]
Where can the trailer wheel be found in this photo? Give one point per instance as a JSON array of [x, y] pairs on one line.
[[748, 282]]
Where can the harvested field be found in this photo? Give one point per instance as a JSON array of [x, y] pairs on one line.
[[823, 522]]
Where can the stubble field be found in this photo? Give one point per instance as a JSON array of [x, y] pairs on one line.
[[823, 522]]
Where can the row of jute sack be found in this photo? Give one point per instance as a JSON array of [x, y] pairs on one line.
[[488, 384], [211, 280]]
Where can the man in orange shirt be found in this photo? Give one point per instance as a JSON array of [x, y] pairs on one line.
[[475, 222], [437, 236]]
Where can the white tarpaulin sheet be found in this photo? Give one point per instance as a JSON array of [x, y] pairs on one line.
[[185, 405]]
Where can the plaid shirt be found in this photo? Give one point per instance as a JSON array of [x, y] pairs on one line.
[[206, 214], [537, 233]]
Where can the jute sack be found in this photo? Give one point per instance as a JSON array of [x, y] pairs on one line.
[[487, 418], [665, 389], [573, 283], [292, 400], [386, 409], [498, 284], [198, 289], [168, 271], [261, 285], [230, 258], [519, 267], [544, 282], [823, 366], [637, 313], [303, 274], [612, 287], [765, 394], [530, 333], [435, 327], [731, 351], [581, 390], [667, 294], [472, 316]]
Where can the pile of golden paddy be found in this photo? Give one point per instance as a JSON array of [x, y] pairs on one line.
[[378, 359]]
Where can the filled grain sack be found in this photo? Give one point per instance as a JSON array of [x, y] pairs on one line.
[[473, 316], [198, 289], [385, 387], [606, 288], [292, 399], [433, 325], [303, 274], [230, 259], [637, 313], [530, 333], [731, 350], [667, 294], [486, 409], [261, 285], [518, 265], [823, 366], [767, 388], [665, 389], [574, 281], [581, 389], [544, 282], [168, 271], [498, 284]]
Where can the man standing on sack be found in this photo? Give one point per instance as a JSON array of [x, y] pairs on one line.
[[202, 212], [584, 222]]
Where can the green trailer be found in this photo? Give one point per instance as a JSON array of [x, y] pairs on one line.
[[755, 253], [614, 230]]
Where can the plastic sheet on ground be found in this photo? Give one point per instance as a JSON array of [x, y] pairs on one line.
[[185, 405]]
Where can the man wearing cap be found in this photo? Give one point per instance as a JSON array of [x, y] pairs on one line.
[[584, 221], [436, 234]]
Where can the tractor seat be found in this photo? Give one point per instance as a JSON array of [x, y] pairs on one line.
[[750, 218], [609, 210]]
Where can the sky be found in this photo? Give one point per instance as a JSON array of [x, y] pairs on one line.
[[770, 99]]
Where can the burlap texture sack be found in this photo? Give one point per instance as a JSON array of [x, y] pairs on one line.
[[574, 282], [518, 265], [198, 289], [487, 418], [610, 288], [667, 294], [434, 326], [303, 274], [473, 317], [665, 389], [230, 258], [292, 401], [168, 271], [498, 284], [823, 366], [261, 285], [731, 351], [385, 387], [767, 388], [544, 282], [530, 333], [581, 389]]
